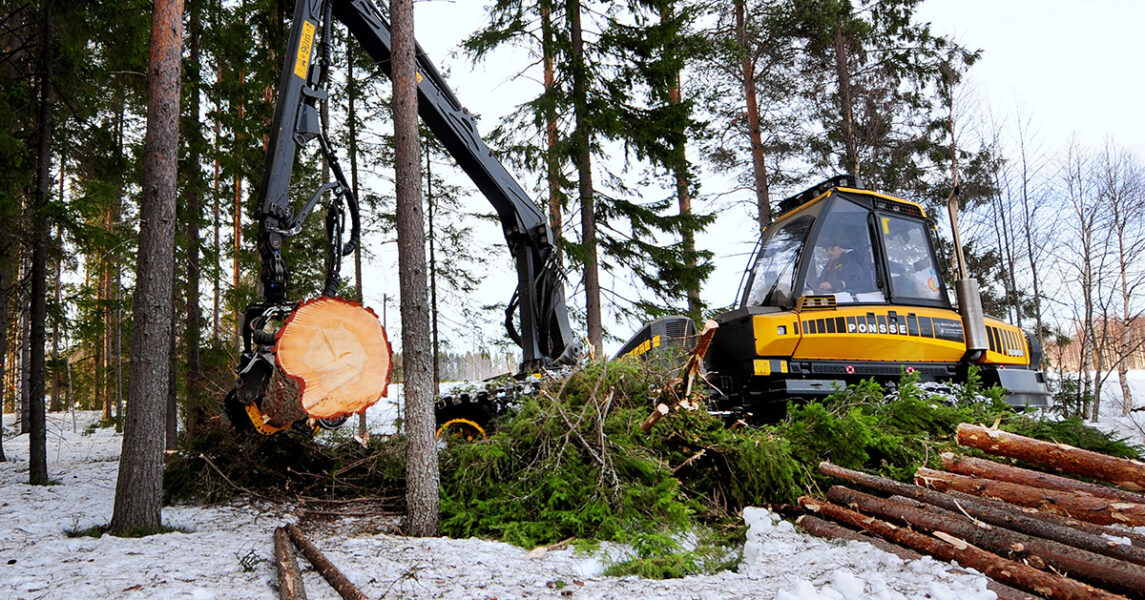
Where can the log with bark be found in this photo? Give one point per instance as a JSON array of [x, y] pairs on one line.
[[337, 351], [1129, 474], [1072, 504], [326, 568], [289, 578], [1097, 569], [831, 531], [1073, 533], [1109, 531], [1013, 573], [988, 469]]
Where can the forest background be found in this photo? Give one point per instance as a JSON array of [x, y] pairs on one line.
[[669, 141]]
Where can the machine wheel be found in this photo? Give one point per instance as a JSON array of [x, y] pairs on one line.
[[460, 429], [463, 422]]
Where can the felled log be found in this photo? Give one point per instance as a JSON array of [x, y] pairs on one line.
[[1072, 504], [1013, 573], [289, 579], [1129, 474], [831, 531], [338, 353], [1087, 537], [1109, 573], [326, 568], [988, 469]]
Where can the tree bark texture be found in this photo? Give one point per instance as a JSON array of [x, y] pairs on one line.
[[38, 439], [331, 573], [138, 490], [1129, 474], [583, 158], [552, 156], [833, 531], [996, 513], [758, 160], [1108, 532], [846, 110], [421, 448], [684, 198], [1013, 573], [1109, 573], [1086, 508], [289, 578], [988, 469]]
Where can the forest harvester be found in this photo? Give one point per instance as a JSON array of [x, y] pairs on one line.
[[845, 284]]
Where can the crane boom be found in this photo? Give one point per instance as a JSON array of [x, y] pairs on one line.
[[545, 335]]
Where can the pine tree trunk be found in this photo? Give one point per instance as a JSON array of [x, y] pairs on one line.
[[170, 423], [421, 449], [352, 126], [238, 219], [851, 146], [194, 195], [755, 135], [583, 157], [138, 490], [552, 157], [352, 134], [38, 440], [57, 381], [684, 197], [216, 224], [6, 254], [24, 350]]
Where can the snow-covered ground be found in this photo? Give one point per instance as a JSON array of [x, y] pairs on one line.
[[1131, 426], [226, 551]]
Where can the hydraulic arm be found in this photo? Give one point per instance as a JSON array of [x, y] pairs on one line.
[[544, 335]]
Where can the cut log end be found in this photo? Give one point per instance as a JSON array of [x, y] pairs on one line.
[[338, 353]]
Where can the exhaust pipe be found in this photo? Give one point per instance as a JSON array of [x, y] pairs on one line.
[[967, 293]]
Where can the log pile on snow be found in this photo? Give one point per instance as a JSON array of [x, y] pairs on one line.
[[1049, 535]]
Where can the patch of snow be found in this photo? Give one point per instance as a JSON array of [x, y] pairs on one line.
[[226, 552]]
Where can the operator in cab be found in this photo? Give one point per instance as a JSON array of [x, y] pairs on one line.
[[844, 270]]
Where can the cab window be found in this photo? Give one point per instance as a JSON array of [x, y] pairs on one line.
[[911, 266], [843, 261], [773, 274]]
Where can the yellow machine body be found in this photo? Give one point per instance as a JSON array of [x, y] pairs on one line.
[[846, 286]]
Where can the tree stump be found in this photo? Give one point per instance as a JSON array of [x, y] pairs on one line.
[[338, 353]]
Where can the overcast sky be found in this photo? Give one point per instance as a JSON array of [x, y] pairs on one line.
[[1074, 65]]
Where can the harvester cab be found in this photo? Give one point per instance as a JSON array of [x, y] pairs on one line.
[[844, 286]]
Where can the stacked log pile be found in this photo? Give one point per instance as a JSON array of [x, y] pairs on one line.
[[1036, 534]]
